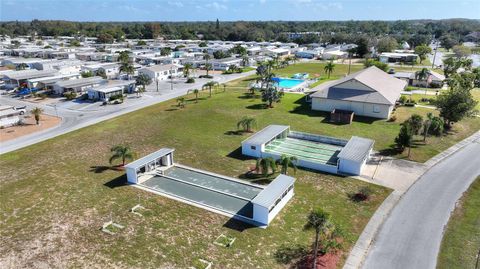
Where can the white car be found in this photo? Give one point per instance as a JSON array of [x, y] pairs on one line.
[[21, 109]]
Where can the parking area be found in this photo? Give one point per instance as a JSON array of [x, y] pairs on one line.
[[392, 173]]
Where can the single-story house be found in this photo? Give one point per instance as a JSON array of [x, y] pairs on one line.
[[113, 87], [397, 57], [111, 69], [334, 54], [225, 63], [308, 54], [433, 79], [162, 72], [9, 116], [77, 85], [16, 78], [48, 82], [370, 92]]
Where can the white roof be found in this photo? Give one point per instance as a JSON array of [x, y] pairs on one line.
[[161, 68], [357, 149], [150, 157], [268, 196], [266, 134]]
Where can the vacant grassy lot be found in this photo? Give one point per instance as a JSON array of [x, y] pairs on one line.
[[56, 195], [461, 242]]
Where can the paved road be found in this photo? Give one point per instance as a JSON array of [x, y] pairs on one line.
[[76, 119], [411, 235]]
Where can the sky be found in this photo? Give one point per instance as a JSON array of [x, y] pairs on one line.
[[231, 10]]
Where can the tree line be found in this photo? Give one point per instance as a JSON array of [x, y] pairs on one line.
[[415, 32]]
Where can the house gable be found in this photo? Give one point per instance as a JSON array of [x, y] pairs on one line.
[[354, 85]]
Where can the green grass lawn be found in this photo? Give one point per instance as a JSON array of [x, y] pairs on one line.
[[315, 70], [55, 195], [476, 95], [461, 242]]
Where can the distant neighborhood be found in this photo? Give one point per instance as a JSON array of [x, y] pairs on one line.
[[202, 145]]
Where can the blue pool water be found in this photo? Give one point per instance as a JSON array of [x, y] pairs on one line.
[[287, 82]]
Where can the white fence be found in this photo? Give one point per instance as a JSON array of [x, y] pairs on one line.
[[318, 138]]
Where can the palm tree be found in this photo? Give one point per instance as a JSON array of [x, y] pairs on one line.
[[196, 92], [247, 123], [210, 85], [143, 80], [207, 57], [423, 75], [294, 59], [36, 113], [426, 126], [264, 165], [186, 70], [329, 67], [245, 60], [325, 231], [123, 56], [208, 67], [181, 102], [271, 95], [287, 161], [127, 68], [121, 152]]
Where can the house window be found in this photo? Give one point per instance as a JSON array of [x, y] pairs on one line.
[[253, 148], [376, 109]]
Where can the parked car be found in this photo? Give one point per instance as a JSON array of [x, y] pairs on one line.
[[21, 109]]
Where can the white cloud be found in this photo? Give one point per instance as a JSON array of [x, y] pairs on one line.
[[216, 6], [175, 3]]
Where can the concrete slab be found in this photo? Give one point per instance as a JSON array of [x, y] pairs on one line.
[[392, 173]]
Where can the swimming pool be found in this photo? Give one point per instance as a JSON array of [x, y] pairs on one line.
[[288, 83]]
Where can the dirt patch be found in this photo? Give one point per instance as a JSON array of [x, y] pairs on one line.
[[46, 122], [327, 261]]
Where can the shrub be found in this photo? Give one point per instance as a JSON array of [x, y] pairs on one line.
[[70, 95], [392, 118], [436, 126], [411, 104], [409, 88], [190, 80], [403, 99], [116, 97]]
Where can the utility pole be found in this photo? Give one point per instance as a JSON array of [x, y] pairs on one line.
[[171, 79], [156, 80]]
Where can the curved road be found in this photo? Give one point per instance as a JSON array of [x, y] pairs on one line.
[[412, 234]]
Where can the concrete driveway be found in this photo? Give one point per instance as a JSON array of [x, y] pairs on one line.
[[396, 174]]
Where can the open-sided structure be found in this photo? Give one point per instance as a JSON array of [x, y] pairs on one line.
[[252, 203], [316, 152]]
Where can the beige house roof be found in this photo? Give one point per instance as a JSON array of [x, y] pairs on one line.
[[383, 88]]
